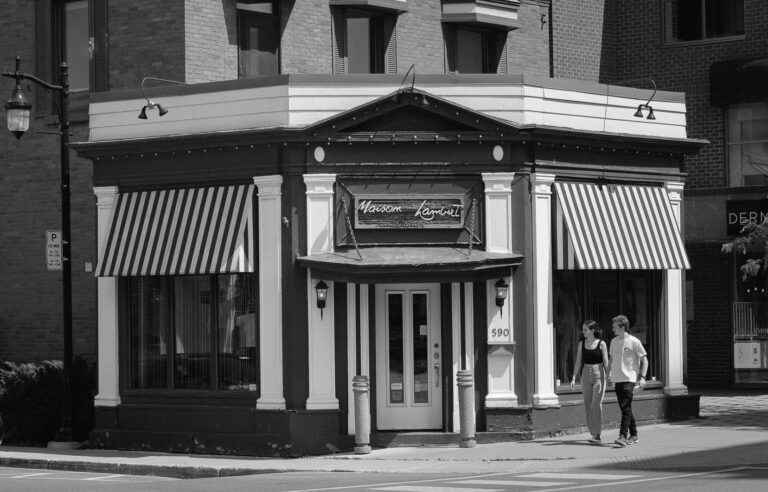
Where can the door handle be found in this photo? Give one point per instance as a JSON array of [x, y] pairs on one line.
[[437, 375]]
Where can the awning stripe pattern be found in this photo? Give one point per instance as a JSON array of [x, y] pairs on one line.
[[616, 227], [184, 231]]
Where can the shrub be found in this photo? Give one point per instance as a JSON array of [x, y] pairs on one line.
[[31, 398]]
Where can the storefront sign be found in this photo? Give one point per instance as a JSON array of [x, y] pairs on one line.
[[742, 212], [53, 250], [407, 212]]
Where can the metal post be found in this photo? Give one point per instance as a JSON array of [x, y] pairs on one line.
[[66, 234], [465, 381], [361, 389]]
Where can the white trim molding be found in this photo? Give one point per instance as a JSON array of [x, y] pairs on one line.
[[319, 212], [542, 302], [108, 339], [270, 292], [674, 300]]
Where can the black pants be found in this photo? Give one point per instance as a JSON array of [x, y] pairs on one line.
[[624, 392]]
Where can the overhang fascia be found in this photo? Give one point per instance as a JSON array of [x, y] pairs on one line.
[[395, 6], [498, 14]]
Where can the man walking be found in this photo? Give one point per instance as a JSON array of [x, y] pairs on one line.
[[628, 366]]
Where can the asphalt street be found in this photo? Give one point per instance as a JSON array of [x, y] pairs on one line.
[[718, 479]]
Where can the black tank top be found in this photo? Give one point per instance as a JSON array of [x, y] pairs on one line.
[[591, 356]]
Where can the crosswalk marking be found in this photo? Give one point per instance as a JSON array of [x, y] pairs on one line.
[[28, 475], [427, 488], [578, 476], [519, 483], [105, 477]]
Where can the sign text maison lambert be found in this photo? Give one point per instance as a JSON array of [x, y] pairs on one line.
[[408, 212]]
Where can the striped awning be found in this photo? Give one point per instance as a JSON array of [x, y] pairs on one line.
[[185, 231], [616, 227]]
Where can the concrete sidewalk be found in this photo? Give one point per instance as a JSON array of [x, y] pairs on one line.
[[732, 432]]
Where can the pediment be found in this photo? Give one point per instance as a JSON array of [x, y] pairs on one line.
[[409, 111]]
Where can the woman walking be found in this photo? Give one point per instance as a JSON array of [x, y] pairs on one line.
[[592, 363]]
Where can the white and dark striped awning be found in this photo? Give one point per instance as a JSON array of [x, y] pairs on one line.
[[185, 231], [616, 227]]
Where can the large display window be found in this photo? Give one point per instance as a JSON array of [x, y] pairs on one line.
[[600, 295]]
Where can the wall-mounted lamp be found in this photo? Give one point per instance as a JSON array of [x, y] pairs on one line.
[[647, 105], [321, 293], [502, 291], [161, 111]]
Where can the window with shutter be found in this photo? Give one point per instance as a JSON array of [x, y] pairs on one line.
[[472, 50], [364, 42], [258, 38]]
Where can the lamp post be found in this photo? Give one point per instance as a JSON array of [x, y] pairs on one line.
[[18, 116]]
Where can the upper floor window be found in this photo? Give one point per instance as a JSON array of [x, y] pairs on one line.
[[695, 20], [476, 50], [259, 38], [365, 42], [747, 140], [77, 44]]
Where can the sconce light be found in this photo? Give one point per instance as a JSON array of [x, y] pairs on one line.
[[502, 291], [647, 105], [153, 105], [321, 291]]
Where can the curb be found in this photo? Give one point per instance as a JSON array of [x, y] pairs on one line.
[[135, 469]]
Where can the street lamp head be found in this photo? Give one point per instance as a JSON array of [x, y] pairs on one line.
[[17, 111]]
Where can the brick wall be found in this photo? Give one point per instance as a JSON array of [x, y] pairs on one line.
[[420, 38], [528, 46], [583, 38], [642, 53], [306, 37], [709, 342], [211, 45], [146, 37]]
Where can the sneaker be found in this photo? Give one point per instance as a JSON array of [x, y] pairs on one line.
[[595, 440], [621, 442], [632, 440]]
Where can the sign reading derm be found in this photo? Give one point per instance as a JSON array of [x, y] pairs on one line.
[[742, 212], [407, 212]]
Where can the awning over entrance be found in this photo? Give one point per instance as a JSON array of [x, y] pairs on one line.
[[181, 232], [616, 227], [415, 263]]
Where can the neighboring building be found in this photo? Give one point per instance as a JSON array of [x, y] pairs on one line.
[[717, 53], [300, 123]]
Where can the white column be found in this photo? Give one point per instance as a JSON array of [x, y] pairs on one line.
[[108, 348], [365, 369], [469, 326], [673, 307], [456, 349], [322, 355], [351, 353], [498, 233], [270, 292], [543, 332]]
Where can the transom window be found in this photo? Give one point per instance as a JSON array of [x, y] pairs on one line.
[[195, 332], [747, 139], [695, 20]]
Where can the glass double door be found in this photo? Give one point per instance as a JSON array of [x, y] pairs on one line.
[[408, 357]]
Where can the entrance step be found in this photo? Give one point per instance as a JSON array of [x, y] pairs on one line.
[[394, 439]]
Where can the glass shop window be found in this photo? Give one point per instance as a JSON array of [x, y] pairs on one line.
[[600, 295], [77, 42], [195, 332], [695, 20], [259, 38], [476, 51], [747, 140]]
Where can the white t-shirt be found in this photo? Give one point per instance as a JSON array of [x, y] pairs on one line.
[[626, 354]]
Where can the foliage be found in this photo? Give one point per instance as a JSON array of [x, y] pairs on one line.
[[753, 238], [31, 397]]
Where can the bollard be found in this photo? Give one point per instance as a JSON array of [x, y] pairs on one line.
[[362, 414], [465, 381]]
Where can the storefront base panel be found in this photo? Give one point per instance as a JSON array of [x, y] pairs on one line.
[[217, 430], [532, 423]]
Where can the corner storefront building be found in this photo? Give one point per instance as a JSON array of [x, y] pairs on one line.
[[266, 241]]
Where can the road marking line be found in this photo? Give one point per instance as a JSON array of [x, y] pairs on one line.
[[401, 482], [578, 476], [103, 477], [427, 488], [520, 483], [28, 475], [643, 480]]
